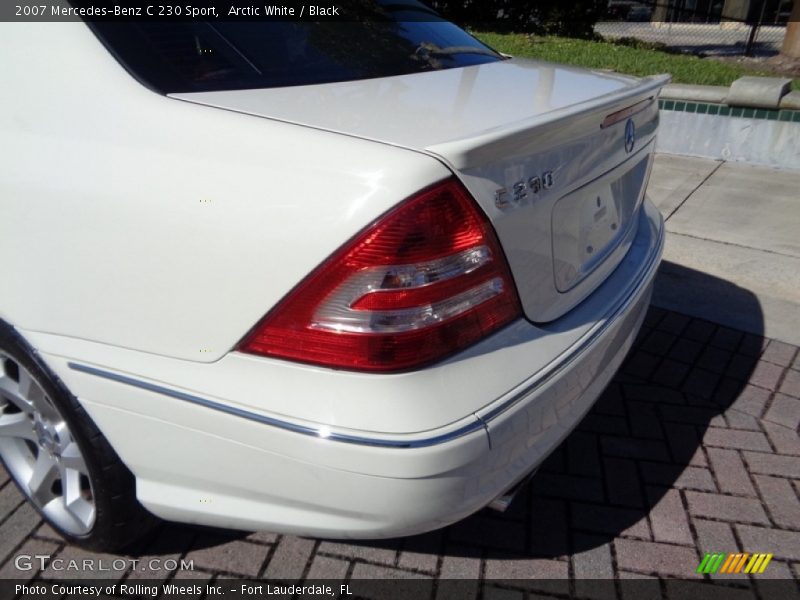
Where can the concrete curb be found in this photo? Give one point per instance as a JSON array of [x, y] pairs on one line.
[[758, 92], [695, 93], [791, 101], [755, 92]]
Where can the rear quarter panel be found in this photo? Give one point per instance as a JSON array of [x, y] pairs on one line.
[[149, 223]]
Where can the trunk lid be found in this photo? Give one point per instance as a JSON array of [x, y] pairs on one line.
[[545, 150]]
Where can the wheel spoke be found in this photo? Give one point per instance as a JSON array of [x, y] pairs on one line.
[[82, 511], [25, 383], [9, 389], [41, 482], [76, 506], [72, 459], [35, 396], [77, 516], [16, 425]]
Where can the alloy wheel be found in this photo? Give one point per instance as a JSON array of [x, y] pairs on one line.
[[40, 451]]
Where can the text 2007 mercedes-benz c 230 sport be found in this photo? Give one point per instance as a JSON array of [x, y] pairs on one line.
[[352, 280]]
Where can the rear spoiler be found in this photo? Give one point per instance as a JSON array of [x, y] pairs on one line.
[[526, 134]]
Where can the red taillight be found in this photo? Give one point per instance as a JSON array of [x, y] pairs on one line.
[[425, 280]]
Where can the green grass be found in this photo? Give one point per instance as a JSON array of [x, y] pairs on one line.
[[636, 59]]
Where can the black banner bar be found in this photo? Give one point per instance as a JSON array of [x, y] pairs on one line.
[[211, 10], [403, 589]]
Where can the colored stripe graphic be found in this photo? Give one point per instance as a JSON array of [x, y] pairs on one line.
[[711, 562], [767, 558], [728, 563], [703, 563], [740, 562], [717, 563], [754, 563]]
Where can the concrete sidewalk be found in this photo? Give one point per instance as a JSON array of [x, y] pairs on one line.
[[733, 247]]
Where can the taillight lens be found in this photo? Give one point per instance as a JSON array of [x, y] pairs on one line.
[[427, 279]]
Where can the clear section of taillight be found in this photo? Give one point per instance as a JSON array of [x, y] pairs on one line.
[[427, 279]]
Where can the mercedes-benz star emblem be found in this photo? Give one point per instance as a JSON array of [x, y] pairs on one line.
[[630, 136]]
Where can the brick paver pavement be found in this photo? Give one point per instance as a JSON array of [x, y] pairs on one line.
[[692, 449]]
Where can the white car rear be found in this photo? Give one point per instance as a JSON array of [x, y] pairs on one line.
[[364, 307]]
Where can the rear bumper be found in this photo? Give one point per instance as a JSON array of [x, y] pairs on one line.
[[202, 457]]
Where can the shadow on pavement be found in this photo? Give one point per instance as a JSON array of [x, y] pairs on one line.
[[642, 439]]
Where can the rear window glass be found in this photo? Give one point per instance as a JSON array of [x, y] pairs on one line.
[[380, 38]]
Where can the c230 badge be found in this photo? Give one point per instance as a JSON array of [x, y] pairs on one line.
[[521, 189]]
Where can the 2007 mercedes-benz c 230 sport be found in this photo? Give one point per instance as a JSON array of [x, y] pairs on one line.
[[351, 280]]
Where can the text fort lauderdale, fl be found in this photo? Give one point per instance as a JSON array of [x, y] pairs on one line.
[[143, 590], [283, 11]]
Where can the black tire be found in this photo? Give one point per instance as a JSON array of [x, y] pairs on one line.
[[119, 518]]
